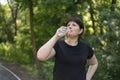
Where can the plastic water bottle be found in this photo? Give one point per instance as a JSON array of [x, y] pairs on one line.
[[62, 31]]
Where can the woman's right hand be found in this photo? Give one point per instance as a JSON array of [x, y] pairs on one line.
[[62, 31]]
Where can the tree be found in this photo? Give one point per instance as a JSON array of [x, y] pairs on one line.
[[14, 7], [33, 41], [102, 31]]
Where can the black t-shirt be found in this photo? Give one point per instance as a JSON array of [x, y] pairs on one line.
[[70, 61]]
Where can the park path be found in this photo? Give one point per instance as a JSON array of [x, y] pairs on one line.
[[21, 72]]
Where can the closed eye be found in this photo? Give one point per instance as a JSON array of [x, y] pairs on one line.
[[73, 24], [68, 25]]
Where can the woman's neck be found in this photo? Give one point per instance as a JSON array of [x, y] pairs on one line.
[[72, 42]]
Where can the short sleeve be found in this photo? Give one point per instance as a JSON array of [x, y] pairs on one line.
[[90, 53], [56, 46]]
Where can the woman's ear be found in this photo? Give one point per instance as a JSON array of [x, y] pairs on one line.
[[81, 30]]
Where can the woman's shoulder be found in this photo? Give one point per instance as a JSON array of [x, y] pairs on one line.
[[60, 41], [87, 46], [83, 43]]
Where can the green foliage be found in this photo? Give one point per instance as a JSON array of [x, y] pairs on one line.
[[48, 69], [51, 14], [11, 52], [32, 68]]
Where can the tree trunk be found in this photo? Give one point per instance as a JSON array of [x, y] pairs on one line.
[[111, 19], [92, 15], [41, 74], [5, 29], [113, 5], [14, 11]]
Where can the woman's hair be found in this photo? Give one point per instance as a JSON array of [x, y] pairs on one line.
[[78, 21]]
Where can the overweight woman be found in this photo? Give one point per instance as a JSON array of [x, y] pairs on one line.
[[71, 54]]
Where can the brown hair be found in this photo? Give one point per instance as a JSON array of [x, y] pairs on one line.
[[78, 21]]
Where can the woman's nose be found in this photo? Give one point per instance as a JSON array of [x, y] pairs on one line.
[[70, 27]]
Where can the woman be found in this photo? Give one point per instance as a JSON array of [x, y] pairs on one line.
[[70, 54]]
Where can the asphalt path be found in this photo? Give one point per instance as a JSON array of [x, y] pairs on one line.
[[6, 74]]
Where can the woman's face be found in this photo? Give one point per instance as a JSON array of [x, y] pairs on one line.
[[74, 29]]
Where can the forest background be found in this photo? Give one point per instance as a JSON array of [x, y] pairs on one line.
[[25, 25]]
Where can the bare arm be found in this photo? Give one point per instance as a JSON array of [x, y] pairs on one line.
[[47, 51], [92, 68]]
